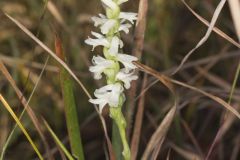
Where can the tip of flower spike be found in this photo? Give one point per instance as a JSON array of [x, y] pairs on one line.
[[110, 4]]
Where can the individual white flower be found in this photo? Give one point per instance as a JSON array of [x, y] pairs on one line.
[[98, 21], [100, 64], [105, 24], [108, 94], [128, 16], [126, 60], [114, 46], [100, 41], [126, 77], [110, 3], [125, 27], [108, 25]]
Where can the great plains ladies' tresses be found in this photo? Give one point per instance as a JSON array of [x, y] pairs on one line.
[[109, 64], [115, 65]]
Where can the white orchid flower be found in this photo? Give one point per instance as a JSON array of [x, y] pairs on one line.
[[102, 41], [110, 4], [108, 94], [114, 46], [100, 64], [107, 24], [126, 77], [98, 21], [99, 41], [128, 16], [126, 60]]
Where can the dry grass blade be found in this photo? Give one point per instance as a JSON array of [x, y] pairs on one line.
[[186, 154], [214, 98], [6, 105], [55, 12], [64, 65], [140, 28], [137, 51], [215, 29], [235, 11], [159, 135], [138, 122], [156, 140], [206, 36]]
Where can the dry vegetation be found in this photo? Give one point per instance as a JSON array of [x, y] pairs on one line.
[[189, 115]]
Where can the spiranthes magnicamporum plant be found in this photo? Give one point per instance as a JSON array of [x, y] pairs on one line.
[[117, 67]]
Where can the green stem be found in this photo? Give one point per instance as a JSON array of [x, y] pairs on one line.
[[116, 140], [117, 116]]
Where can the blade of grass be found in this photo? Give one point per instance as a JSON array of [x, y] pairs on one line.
[[70, 106], [158, 136], [9, 109], [206, 36], [215, 29], [185, 153], [58, 142]]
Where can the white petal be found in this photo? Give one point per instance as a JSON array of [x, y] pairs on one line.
[[108, 25], [110, 4], [100, 64], [98, 20], [117, 89], [108, 94], [125, 27], [115, 44], [97, 35], [104, 89], [130, 16], [127, 60], [100, 41], [100, 102], [126, 77]]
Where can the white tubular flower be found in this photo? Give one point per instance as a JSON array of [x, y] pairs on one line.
[[114, 46], [108, 94], [100, 41], [125, 27], [110, 4], [128, 16], [126, 77], [98, 21], [105, 24], [100, 64], [108, 25], [127, 60]]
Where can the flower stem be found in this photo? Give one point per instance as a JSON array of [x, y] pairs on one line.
[[117, 116]]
